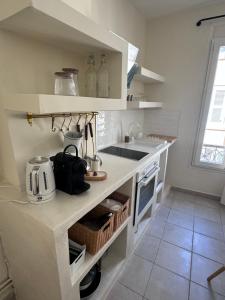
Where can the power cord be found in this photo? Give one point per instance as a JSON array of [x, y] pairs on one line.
[[21, 202]]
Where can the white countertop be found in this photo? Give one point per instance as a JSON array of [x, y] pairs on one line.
[[64, 210]]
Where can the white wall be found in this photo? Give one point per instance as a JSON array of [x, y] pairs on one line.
[[179, 50], [119, 16]]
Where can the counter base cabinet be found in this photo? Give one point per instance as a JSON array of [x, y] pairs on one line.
[[33, 251], [39, 255]]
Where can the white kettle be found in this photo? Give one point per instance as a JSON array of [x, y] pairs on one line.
[[40, 181]]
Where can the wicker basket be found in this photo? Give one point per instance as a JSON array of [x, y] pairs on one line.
[[94, 240], [121, 215]]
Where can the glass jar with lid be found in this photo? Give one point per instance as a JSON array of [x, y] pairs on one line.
[[74, 73], [64, 84]]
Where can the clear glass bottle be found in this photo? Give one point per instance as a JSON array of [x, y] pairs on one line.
[[103, 79], [91, 78], [64, 84], [74, 73]]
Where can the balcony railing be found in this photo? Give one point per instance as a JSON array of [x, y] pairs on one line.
[[213, 154]]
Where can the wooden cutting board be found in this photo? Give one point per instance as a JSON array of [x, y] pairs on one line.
[[168, 138], [101, 175]]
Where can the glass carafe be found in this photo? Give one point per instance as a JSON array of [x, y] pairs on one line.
[[103, 79], [91, 78]]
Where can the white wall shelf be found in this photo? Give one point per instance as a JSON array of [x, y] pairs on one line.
[[143, 105], [147, 76], [44, 104], [56, 22]]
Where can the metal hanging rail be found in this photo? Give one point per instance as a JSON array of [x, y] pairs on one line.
[[31, 116], [199, 23]]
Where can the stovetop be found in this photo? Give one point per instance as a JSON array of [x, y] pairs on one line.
[[123, 152]]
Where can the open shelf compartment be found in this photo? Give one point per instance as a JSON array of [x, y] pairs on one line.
[[68, 30], [112, 255], [91, 260], [112, 264]]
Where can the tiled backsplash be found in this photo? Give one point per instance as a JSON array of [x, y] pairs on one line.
[[164, 121], [112, 126]]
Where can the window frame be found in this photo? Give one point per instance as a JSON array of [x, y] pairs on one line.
[[206, 101]]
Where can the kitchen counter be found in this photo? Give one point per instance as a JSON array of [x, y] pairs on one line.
[[65, 210], [36, 236]]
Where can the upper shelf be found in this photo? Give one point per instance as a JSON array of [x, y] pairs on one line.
[[143, 104], [148, 76], [55, 22], [46, 104]]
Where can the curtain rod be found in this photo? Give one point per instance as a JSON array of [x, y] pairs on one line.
[[199, 23]]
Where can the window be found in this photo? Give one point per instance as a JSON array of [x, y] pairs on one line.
[[210, 144]]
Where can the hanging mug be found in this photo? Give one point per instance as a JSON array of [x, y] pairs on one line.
[[73, 138]]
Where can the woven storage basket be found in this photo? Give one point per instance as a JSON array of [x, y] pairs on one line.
[[94, 240], [121, 215]]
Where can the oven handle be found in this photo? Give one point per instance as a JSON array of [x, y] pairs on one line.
[[146, 181]]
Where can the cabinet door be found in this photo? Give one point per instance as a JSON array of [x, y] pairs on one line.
[[3, 267]]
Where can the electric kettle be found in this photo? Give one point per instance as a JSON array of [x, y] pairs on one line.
[[40, 181]]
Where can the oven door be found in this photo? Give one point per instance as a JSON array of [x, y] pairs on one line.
[[145, 194]]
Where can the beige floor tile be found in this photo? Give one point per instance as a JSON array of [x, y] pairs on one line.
[[120, 292], [174, 259], [162, 212], [198, 292], [209, 228], [184, 206], [181, 219], [156, 227], [203, 267], [148, 248], [208, 247], [178, 236], [168, 200], [208, 213], [136, 274], [165, 285]]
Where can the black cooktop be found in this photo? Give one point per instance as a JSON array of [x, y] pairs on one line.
[[123, 152]]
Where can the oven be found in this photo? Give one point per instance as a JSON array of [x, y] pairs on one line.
[[147, 180]]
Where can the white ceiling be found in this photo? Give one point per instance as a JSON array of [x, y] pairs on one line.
[[157, 8]]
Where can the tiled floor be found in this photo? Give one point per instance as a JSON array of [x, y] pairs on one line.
[[183, 245]]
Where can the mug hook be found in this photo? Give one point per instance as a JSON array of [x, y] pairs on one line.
[[71, 118], [61, 129]]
